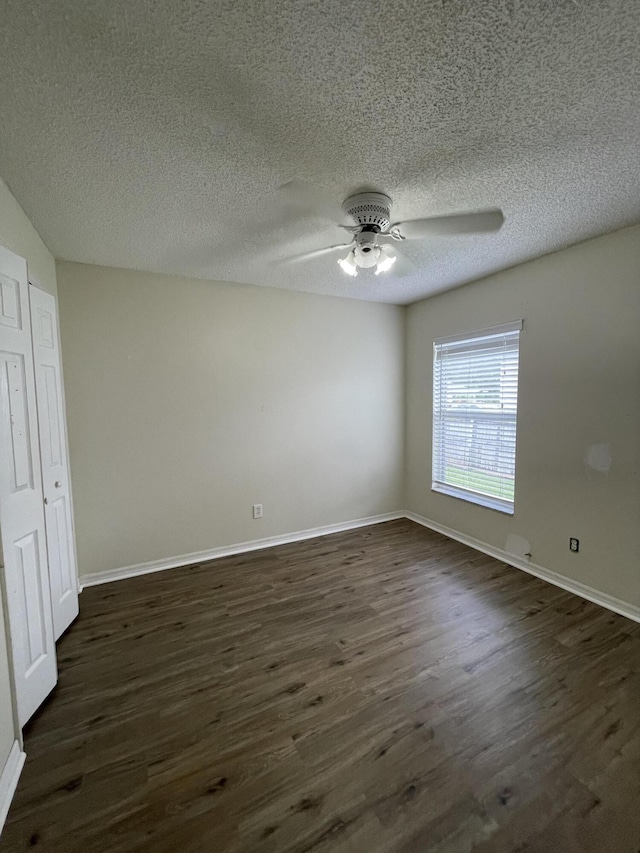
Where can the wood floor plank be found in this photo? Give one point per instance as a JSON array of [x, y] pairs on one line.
[[383, 690]]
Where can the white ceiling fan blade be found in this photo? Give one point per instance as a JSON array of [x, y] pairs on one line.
[[316, 253], [484, 222], [311, 200]]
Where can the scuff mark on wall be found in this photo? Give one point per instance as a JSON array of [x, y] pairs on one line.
[[598, 457]]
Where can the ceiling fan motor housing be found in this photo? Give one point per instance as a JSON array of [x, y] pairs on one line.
[[369, 209]]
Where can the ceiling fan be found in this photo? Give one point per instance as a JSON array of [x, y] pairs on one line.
[[374, 237]]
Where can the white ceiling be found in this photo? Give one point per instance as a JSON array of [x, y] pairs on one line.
[[154, 134]]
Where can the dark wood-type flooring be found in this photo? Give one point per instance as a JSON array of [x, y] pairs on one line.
[[384, 689]]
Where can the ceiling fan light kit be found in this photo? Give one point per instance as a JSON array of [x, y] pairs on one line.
[[348, 264], [387, 260], [366, 257]]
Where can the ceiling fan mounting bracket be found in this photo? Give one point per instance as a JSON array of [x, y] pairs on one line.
[[369, 209]]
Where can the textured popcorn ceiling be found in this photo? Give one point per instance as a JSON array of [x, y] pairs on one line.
[[154, 134]]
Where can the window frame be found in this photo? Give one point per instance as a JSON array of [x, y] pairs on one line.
[[456, 491]]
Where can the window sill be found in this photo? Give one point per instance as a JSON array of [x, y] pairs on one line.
[[474, 498]]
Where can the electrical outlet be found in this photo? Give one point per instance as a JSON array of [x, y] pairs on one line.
[[257, 510], [574, 544]]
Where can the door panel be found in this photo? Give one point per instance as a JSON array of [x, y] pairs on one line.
[[27, 554], [24, 555], [50, 393], [55, 473], [63, 581], [14, 383], [10, 314]]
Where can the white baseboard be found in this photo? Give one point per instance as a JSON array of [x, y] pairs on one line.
[[9, 779], [577, 588], [230, 550], [584, 591]]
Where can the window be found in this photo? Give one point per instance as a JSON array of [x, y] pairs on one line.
[[475, 402]]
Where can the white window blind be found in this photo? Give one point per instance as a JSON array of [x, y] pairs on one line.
[[475, 403]]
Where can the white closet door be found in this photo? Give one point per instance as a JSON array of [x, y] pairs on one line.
[[22, 525], [53, 456]]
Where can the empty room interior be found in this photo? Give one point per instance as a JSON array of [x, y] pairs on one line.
[[320, 426]]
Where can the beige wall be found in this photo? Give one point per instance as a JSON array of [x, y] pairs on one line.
[[189, 401], [579, 386], [18, 234]]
